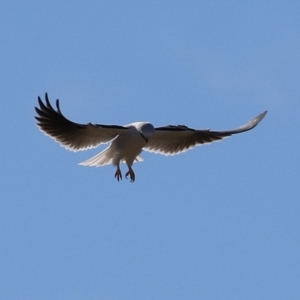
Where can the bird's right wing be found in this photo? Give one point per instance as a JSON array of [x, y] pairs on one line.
[[71, 135], [171, 140]]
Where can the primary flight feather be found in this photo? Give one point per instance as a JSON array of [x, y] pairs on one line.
[[128, 141]]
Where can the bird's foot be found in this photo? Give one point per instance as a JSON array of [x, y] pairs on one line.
[[118, 174], [131, 174]]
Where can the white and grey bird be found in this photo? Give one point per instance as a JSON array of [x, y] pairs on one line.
[[128, 141]]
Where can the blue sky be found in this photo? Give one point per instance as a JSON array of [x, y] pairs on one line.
[[218, 222]]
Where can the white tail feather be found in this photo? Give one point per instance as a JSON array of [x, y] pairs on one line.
[[101, 159]]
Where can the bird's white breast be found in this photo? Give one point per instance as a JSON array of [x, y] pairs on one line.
[[129, 144]]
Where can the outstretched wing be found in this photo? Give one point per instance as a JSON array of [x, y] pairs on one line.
[[71, 135], [171, 140]]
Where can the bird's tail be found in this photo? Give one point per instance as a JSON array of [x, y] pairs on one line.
[[103, 158]]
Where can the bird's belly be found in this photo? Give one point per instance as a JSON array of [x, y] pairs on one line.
[[128, 146]]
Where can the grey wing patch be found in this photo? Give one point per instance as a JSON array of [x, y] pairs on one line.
[[175, 139], [70, 135], [250, 125]]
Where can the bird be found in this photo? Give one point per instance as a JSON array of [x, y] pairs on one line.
[[128, 141]]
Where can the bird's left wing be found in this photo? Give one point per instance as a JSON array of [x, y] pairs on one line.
[[171, 140], [70, 135]]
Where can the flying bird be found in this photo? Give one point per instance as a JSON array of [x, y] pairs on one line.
[[128, 141]]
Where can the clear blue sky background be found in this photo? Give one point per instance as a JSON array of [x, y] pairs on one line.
[[218, 222]]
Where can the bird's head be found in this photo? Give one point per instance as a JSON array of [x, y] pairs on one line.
[[147, 130]]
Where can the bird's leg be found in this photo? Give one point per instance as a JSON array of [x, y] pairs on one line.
[[131, 174], [118, 174]]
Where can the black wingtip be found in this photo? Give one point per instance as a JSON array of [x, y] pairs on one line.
[[41, 104], [260, 117], [47, 101], [57, 106], [251, 124], [263, 114]]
